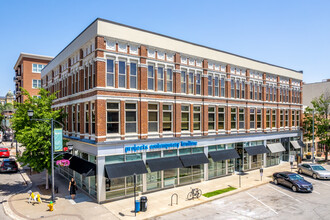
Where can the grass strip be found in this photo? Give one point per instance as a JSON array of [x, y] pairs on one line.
[[218, 192]]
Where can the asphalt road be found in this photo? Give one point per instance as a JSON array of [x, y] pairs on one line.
[[264, 202]]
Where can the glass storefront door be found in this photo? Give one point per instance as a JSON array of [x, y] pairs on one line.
[[216, 168], [257, 161], [170, 177], [154, 180]]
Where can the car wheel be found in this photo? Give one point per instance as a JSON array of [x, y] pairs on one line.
[[314, 176], [294, 188], [299, 171], [276, 181]]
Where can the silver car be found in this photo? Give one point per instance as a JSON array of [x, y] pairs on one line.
[[314, 170]]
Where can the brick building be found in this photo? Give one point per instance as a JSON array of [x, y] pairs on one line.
[[28, 74], [170, 111]]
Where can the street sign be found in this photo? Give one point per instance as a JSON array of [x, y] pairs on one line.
[[58, 139]]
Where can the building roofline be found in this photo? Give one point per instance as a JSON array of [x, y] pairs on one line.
[[306, 84], [30, 55], [173, 38], [195, 44]]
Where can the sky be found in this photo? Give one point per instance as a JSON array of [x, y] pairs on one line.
[[293, 34]]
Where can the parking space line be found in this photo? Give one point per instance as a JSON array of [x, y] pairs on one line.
[[320, 181], [262, 203], [284, 193], [316, 192]]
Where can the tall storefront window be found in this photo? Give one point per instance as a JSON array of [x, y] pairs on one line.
[[211, 116], [169, 80], [110, 73], [198, 84], [160, 80], [241, 118], [221, 118], [167, 118], [183, 82], [259, 118], [274, 118], [151, 77], [93, 118], [112, 118], [123, 186], [267, 118], [191, 83], [216, 86], [252, 118], [222, 84], [152, 117], [131, 118], [233, 118], [210, 85], [185, 118], [197, 118], [133, 75]]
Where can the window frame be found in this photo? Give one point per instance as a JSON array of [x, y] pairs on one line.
[[109, 73], [136, 117], [107, 122], [214, 118], [233, 112], [157, 113], [171, 114], [197, 112], [160, 81], [224, 117], [149, 77], [133, 76], [169, 72], [185, 112], [121, 74]]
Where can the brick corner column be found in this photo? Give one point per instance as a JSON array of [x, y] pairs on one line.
[[205, 119], [82, 120], [290, 118], [99, 46], [177, 76], [227, 82], [100, 71], [177, 120], [278, 119], [143, 111], [122, 120], [191, 119], [247, 119], [100, 120], [228, 119], [143, 71]]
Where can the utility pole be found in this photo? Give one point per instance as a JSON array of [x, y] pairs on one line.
[[52, 159], [313, 141]]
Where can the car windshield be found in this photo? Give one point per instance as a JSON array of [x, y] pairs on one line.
[[318, 168], [295, 177]]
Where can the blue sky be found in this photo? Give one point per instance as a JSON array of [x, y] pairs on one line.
[[293, 34]]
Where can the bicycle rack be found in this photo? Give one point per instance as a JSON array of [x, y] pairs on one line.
[[177, 198]]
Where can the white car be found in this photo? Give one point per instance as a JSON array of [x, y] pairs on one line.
[[314, 170]]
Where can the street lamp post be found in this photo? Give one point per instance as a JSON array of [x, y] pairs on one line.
[[30, 114], [313, 141]]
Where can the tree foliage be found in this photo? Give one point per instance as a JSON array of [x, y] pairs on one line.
[[321, 108], [33, 134]]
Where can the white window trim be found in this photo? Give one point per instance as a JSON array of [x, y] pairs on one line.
[[136, 116]]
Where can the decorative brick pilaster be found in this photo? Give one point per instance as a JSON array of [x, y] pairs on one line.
[[69, 119], [191, 119], [247, 119], [142, 70], [143, 120], [177, 119], [205, 120], [227, 119], [100, 120], [82, 120], [99, 46], [227, 82]]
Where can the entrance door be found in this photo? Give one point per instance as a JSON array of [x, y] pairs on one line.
[[239, 161]]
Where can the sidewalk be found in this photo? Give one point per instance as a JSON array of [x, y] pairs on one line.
[[159, 203]]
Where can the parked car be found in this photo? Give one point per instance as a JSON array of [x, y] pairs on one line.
[[8, 165], [293, 181], [4, 153], [314, 170]]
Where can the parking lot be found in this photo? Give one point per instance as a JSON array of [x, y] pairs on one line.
[[268, 201]]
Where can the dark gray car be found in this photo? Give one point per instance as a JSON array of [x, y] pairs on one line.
[[314, 170]]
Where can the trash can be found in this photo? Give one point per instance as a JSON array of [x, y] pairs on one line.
[[137, 205], [143, 201]]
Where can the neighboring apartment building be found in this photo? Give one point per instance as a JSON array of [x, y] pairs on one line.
[[170, 111], [28, 74], [312, 91]]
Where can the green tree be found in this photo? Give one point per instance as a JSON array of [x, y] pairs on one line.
[[321, 108], [35, 135]]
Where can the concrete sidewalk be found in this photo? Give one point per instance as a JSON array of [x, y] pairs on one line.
[[159, 203]]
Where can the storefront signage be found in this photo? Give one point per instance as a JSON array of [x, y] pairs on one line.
[[160, 146]]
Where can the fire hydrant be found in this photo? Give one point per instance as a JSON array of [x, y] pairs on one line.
[[51, 206]]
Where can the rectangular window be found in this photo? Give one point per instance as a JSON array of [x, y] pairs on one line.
[[185, 116], [287, 96], [255, 92], [281, 118], [286, 118], [198, 83], [122, 74], [252, 118], [232, 86], [221, 118], [112, 118], [36, 84], [131, 117], [73, 119], [222, 87], [167, 117], [93, 118], [238, 89], [275, 91], [216, 86], [151, 77], [267, 118], [271, 93], [110, 73], [152, 117], [281, 95], [243, 89], [90, 76], [259, 118], [274, 118], [251, 91], [293, 118], [210, 85], [86, 78], [133, 75], [197, 118], [183, 81], [267, 93], [86, 118], [211, 115], [260, 92], [233, 118], [169, 80], [160, 77], [191, 83], [36, 68], [297, 119], [78, 118], [241, 118]]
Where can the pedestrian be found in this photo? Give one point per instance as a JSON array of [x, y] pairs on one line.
[[72, 188]]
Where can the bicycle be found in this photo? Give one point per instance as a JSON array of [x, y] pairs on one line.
[[195, 193]]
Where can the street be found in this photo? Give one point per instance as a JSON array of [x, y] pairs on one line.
[[264, 202], [9, 184]]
